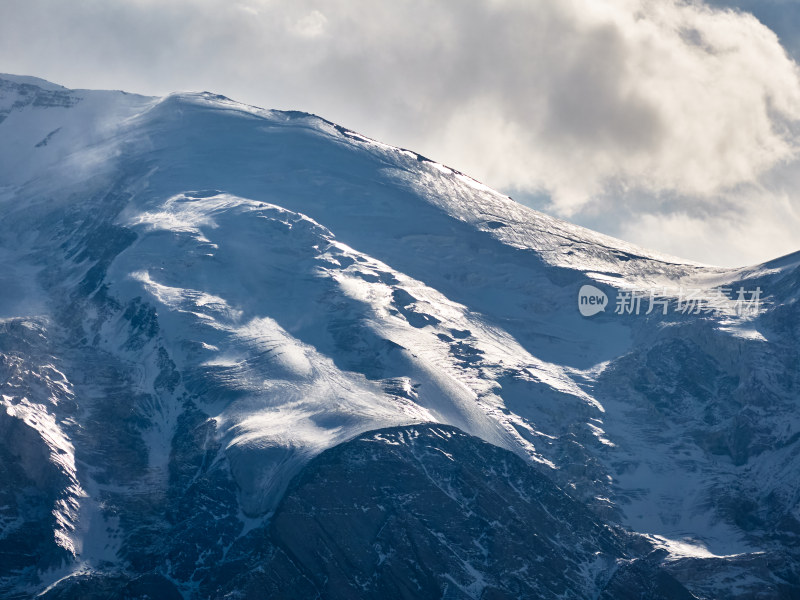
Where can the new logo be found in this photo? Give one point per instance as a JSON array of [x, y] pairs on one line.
[[591, 300]]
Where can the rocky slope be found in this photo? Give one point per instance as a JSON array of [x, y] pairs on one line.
[[250, 353]]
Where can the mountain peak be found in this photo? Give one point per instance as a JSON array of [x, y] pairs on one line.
[[211, 310]]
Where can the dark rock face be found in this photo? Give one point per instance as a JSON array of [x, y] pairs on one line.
[[422, 511], [430, 512], [36, 486], [640, 579], [409, 513], [114, 587]]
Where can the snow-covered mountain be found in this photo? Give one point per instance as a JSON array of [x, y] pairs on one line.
[[252, 354]]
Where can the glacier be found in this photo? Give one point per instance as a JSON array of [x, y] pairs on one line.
[[250, 353]]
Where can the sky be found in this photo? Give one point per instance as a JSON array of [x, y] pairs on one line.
[[671, 124]]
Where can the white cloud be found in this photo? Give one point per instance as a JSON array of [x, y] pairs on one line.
[[311, 25], [654, 111], [747, 238]]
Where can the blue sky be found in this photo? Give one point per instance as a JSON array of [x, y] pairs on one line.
[[782, 16], [672, 124]]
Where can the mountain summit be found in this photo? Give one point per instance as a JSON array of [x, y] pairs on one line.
[[252, 354]]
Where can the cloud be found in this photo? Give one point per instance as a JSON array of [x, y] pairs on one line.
[[652, 114], [781, 16], [311, 25], [748, 237]]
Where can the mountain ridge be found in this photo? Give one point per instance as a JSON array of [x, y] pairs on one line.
[[201, 297]]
